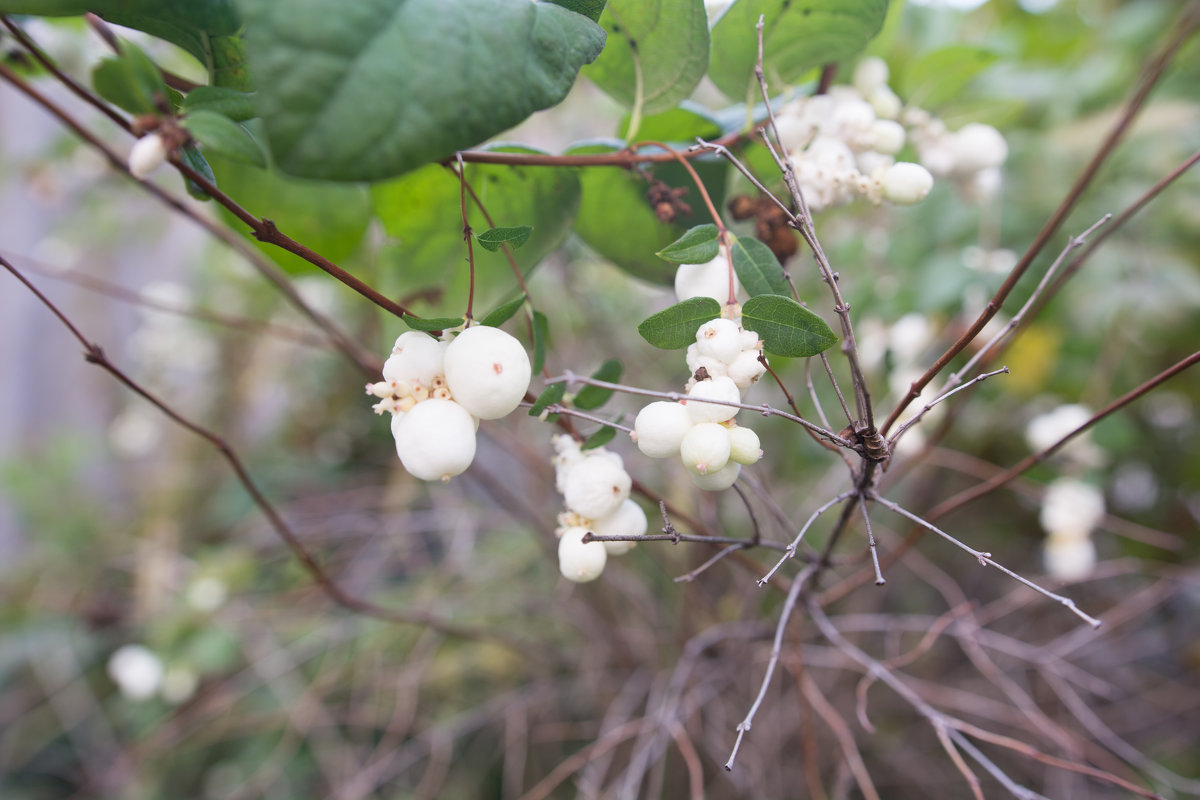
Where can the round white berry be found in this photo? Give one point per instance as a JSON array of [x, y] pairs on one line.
[[136, 670], [1069, 559], [706, 448], [885, 103], [870, 74], [710, 279], [887, 136], [628, 520], [744, 446], [719, 480], [596, 486], [1071, 507], [435, 440], [721, 388], [416, 358], [660, 427], [487, 371], [906, 183], [977, 146], [720, 339], [147, 154], [577, 561], [1046, 429], [746, 369]]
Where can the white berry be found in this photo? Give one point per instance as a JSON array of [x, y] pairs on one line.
[[746, 369], [706, 448], [906, 183], [628, 520], [1069, 559], [721, 388], [720, 339], [1071, 507], [660, 427], [710, 279], [887, 136], [596, 486], [744, 446], [870, 74], [487, 371], [577, 561], [977, 146], [416, 358], [719, 480], [147, 154], [435, 440]]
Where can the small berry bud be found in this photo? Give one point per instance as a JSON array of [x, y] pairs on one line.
[[147, 154]]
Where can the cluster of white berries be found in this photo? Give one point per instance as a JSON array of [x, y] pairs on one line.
[[595, 489], [844, 143], [438, 390], [724, 363]]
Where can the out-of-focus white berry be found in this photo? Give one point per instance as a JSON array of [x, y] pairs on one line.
[[719, 480], [832, 154], [744, 446], [906, 183], [722, 388], [207, 593], [596, 486], [986, 184], [853, 119], [628, 520], [179, 684], [1071, 507], [416, 358], [577, 561], [885, 102], [710, 279], [746, 369], [136, 671], [147, 154], [720, 339], [706, 448], [1046, 429], [435, 440], [977, 146], [1069, 558], [869, 75], [487, 371], [910, 335], [887, 136], [660, 427]]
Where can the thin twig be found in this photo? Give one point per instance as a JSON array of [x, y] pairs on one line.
[[862, 504], [940, 398], [791, 548]]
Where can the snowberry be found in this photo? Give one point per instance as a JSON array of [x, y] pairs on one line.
[[870, 74], [487, 371], [885, 103], [977, 146], [720, 339], [577, 561], [906, 183], [721, 388], [710, 279], [706, 448], [744, 446], [746, 369], [136, 670], [1071, 507], [596, 486], [1046, 429], [1069, 559], [435, 439], [719, 480], [887, 136], [695, 360], [147, 154], [627, 520], [416, 358], [660, 427]]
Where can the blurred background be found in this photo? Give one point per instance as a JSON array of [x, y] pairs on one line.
[[158, 640]]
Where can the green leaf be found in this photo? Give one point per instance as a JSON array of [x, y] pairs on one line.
[[196, 160], [590, 397], [223, 135], [674, 328], [238, 106], [757, 268], [130, 81], [494, 238], [551, 395], [682, 124], [656, 53], [698, 246], [599, 438], [431, 324], [501, 315], [420, 211], [798, 35], [940, 76], [786, 328], [589, 8], [329, 218], [367, 90], [541, 332]]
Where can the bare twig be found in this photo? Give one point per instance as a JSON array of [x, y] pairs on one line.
[[940, 398], [791, 548]]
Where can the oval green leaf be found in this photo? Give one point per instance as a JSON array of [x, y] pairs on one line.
[[431, 324], [674, 328], [501, 315], [757, 268], [551, 395], [698, 246], [367, 90], [786, 328], [222, 135], [590, 397], [541, 333], [238, 106], [599, 438], [493, 239], [940, 76]]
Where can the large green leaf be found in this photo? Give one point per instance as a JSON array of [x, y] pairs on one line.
[[657, 51], [191, 24], [938, 77], [421, 211], [370, 89], [698, 246], [674, 328], [786, 327], [757, 267], [798, 35], [329, 218]]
